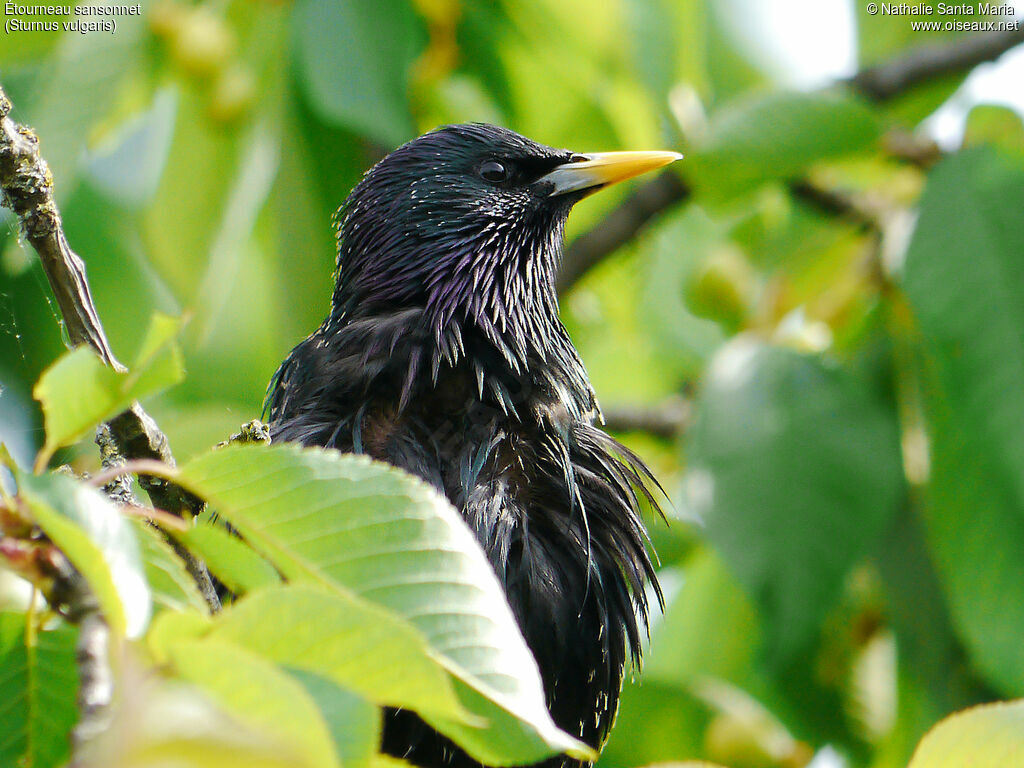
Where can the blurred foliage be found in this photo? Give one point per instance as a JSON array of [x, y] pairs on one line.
[[845, 561]]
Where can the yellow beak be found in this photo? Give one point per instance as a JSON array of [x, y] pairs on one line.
[[594, 171]]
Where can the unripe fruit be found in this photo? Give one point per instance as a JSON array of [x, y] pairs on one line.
[[721, 288], [233, 94], [166, 18], [733, 742], [202, 44]]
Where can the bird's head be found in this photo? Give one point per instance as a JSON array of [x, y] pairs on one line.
[[467, 222]]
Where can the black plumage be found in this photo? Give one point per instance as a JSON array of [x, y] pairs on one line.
[[443, 354]]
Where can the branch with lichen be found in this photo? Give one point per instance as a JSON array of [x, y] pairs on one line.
[[26, 188]]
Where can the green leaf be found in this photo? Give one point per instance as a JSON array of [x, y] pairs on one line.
[[161, 722], [654, 44], [935, 677], [777, 135], [98, 541], [180, 225], [657, 722], [348, 640], [260, 694], [367, 529], [79, 391], [978, 555], [709, 628], [171, 627], [354, 60], [680, 336], [976, 536], [881, 41], [794, 468], [169, 581], [233, 561], [997, 126], [965, 282], [258, 164], [355, 724], [988, 736], [730, 70], [38, 686]]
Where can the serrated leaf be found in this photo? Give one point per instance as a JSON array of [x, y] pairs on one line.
[[240, 568], [38, 686], [353, 642], [98, 541], [366, 528], [987, 736], [169, 581], [79, 391], [794, 468]]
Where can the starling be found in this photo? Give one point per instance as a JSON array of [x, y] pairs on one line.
[[443, 354]]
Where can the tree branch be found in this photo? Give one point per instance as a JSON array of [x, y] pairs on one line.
[[26, 187], [888, 80], [833, 203], [667, 419], [92, 656], [879, 83]]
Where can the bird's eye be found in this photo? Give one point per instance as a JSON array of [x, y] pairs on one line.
[[494, 172]]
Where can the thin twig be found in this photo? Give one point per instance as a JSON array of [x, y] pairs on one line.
[[96, 678], [155, 477], [912, 148], [133, 467], [158, 517], [26, 187]]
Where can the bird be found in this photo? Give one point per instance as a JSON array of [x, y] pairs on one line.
[[443, 355]]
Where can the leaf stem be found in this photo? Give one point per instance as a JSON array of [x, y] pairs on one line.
[[150, 467]]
